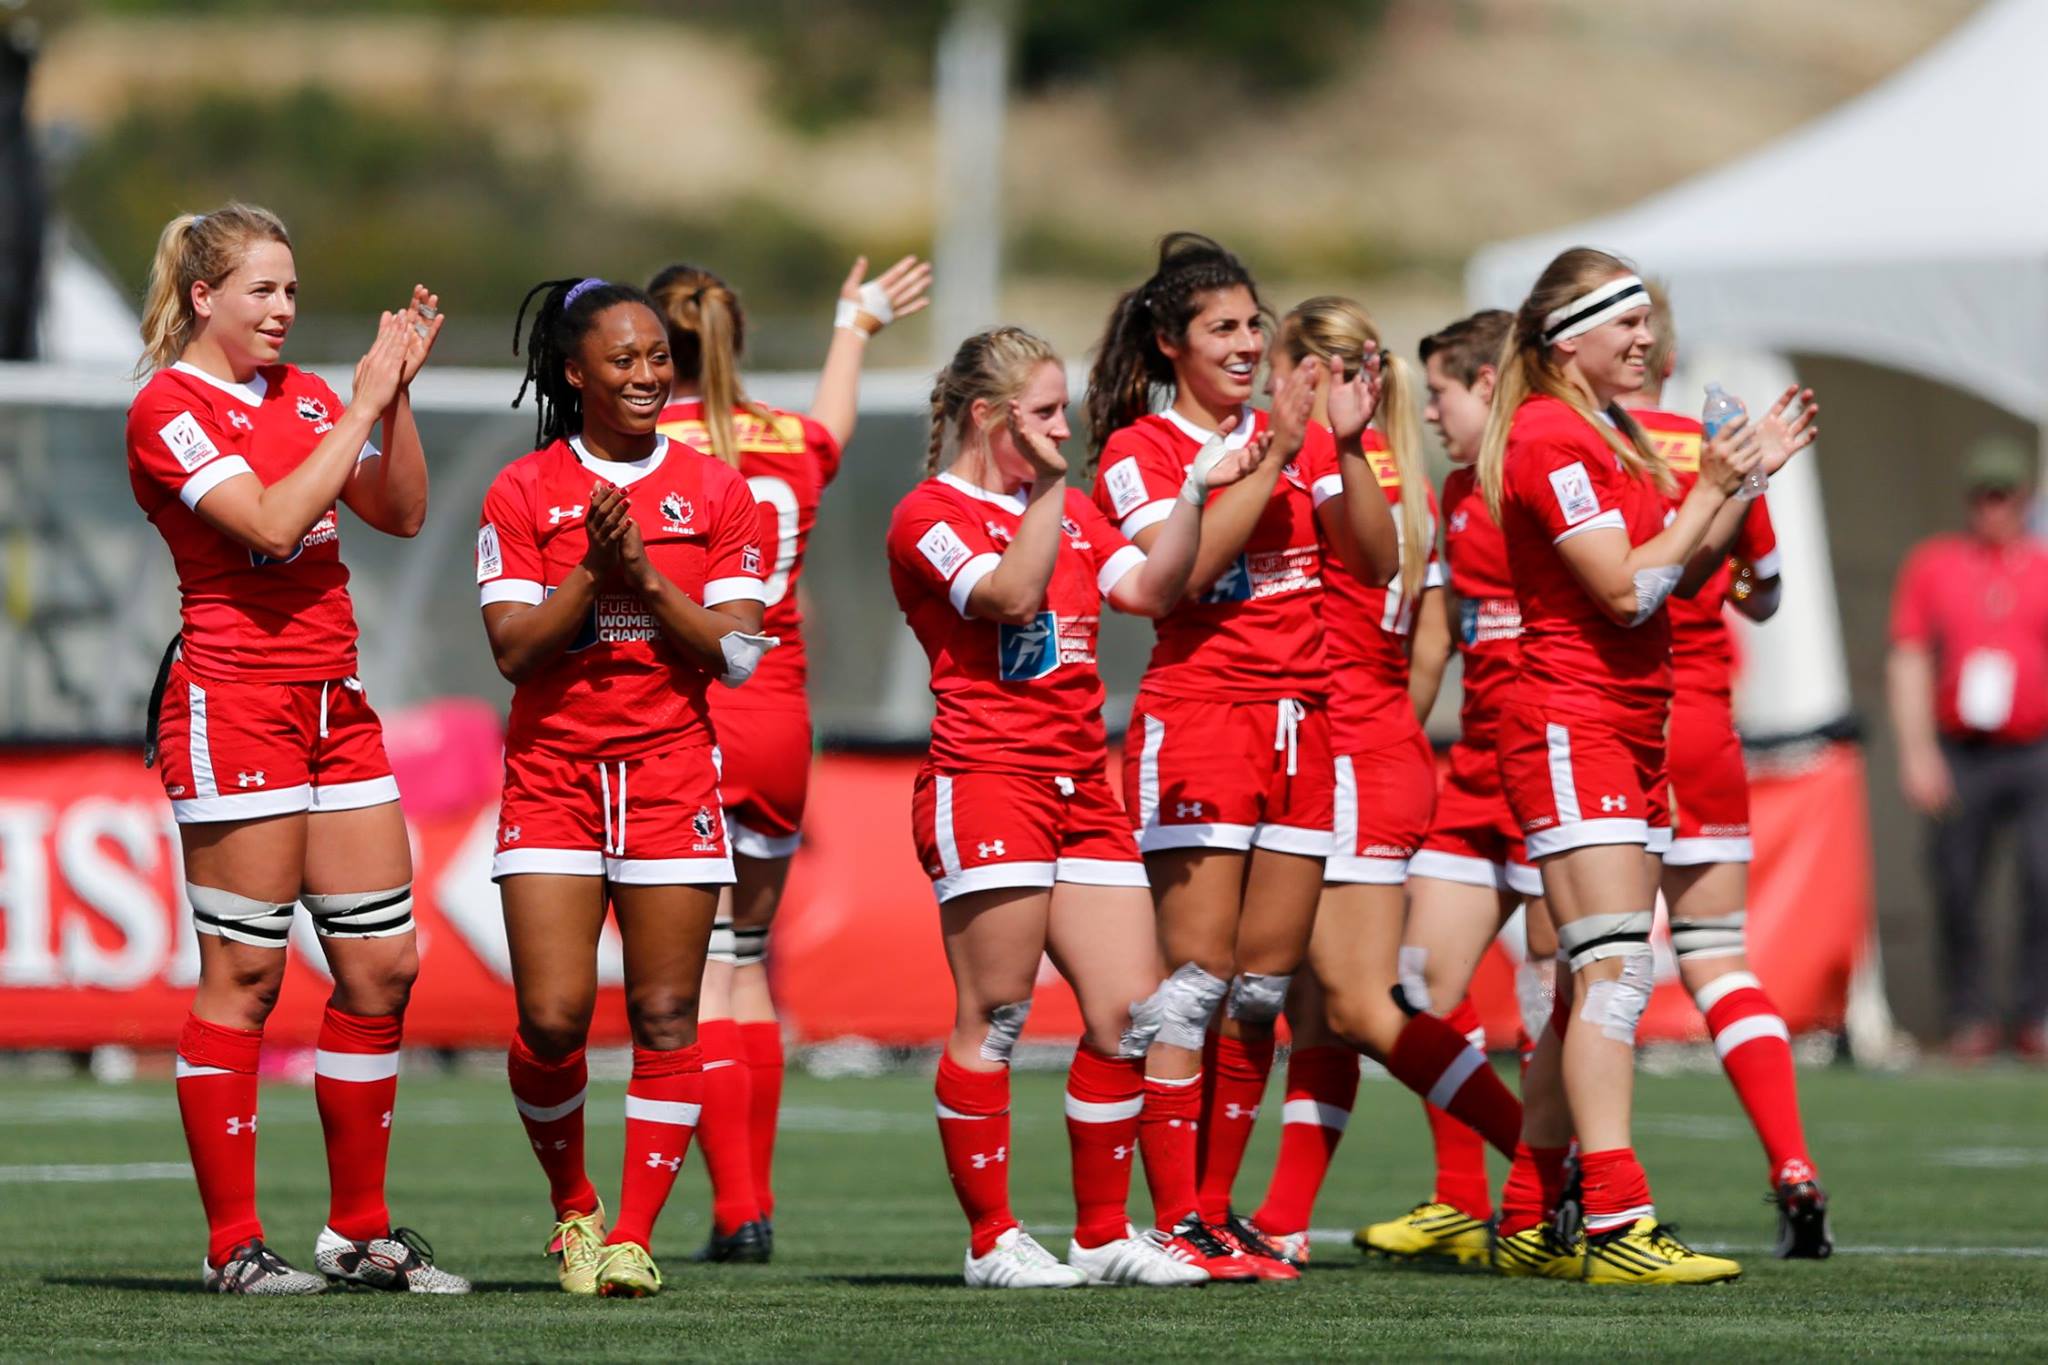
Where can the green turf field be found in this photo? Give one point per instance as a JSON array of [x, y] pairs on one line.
[[1940, 1182]]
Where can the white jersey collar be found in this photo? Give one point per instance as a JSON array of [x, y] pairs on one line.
[[250, 393], [621, 472], [1009, 502], [1247, 422]]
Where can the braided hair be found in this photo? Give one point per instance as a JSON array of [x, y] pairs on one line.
[[567, 310], [1129, 365], [993, 366]]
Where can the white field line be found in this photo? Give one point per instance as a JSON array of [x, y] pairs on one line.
[[94, 1175], [1342, 1236]]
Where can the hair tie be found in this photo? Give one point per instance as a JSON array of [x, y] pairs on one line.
[[577, 291]]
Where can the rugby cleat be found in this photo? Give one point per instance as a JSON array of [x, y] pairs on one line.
[[1196, 1243], [1016, 1261], [1139, 1258], [626, 1270], [1268, 1262], [751, 1243], [1649, 1252], [253, 1268], [401, 1261], [1537, 1253], [1291, 1247], [1803, 1231], [578, 1244], [1429, 1230]]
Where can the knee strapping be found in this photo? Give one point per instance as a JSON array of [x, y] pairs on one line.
[[1536, 993], [1412, 984], [1256, 998], [1599, 936], [1187, 1002], [361, 914], [1721, 936], [239, 919], [738, 947], [1146, 1016], [1616, 1007], [1005, 1022]]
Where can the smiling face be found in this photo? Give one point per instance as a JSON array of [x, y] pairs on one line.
[[623, 370], [1610, 358], [1042, 411], [1216, 361], [248, 314], [1457, 410]]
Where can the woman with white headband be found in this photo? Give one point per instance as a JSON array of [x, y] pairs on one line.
[[1580, 495]]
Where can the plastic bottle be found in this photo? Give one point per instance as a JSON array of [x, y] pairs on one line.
[[1720, 409]]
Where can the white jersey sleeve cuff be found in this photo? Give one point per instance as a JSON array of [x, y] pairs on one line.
[[1770, 564], [523, 590], [1151, 514], [1610, 520], [212, 475], [1120, 563], [972, 572], [1327, 487], [368, 452], [1433, 576], [734, 590]]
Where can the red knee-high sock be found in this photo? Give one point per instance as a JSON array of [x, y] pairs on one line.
[[761, 1041], [549, 1096], [1617, 1192], [974, 1131], [1535, 1186], [1230, 1106], [1461, 1152], [355, 1085], [1166, 1136], [1756, 1052], [664, 1100], [1433, 1059], [723, 1134], [1322, 1087], [1104, 1098], [217, 1101]]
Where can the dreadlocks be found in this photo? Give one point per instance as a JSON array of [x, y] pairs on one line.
[[567, 310]]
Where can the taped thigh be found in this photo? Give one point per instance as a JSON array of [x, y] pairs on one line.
[[1697, 939], [239, 919], [361, 914], [738, 947], [1589, 940]]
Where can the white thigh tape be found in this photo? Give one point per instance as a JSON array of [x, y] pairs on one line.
[[1410, 964], [240, 919], [1616, 1007], [1257, 998], [361, 914], [738, 947], [1187, 1002], [1005, 1022], [1536, 993], [1597, 936], [1703, 938]]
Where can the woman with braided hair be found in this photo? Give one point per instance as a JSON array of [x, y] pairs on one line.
[[620, 575]]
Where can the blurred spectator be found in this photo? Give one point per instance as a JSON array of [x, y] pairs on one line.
[[1968, 681]]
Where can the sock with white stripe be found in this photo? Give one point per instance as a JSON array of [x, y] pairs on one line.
[[1434, 1060], [1104, 1098], [664, 1099], [355, 1085], [974, 1131], [1460, 1152], [217, 1101], [1322, 1087], [548, 1092], [1756, 1051], [1617, 1192]]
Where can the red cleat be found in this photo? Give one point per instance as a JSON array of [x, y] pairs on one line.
[[1194, 1242], [1266, 1259]]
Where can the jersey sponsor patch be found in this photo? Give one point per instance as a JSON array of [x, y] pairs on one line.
[[944, 549], [490, 562], [1030, 650], [1576, 499], [1126, 486], [188, 441]]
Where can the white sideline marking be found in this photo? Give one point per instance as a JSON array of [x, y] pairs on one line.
[[1992, 1158], [1343, 1236], [93, 1175]]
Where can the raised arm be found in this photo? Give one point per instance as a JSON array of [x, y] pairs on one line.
[[1359, 524], [389, 491], [864, 309], [1156, 587], [1781, 435]]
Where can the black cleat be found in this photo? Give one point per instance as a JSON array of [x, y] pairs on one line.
[[1803, 1232], [751, 1243]]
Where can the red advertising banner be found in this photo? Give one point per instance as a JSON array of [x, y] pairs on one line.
[[96, 944]]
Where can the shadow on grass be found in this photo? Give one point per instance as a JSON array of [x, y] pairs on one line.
[[880, 1281], [183, 1284]]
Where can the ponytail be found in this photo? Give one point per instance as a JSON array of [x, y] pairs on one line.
[[994, 366], [707, 331], [192, 248]]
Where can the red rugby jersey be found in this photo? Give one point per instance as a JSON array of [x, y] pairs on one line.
[[618, 690], [1489, 625], [1257, 634], [1011, 698], [1561, 478], [1702, 646], [786, 460], [1365, 628], [246, 616]]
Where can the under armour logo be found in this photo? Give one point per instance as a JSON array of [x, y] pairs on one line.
[[387, 1118], [1187, 810], [992, 849], [254, 779], [512, 833], [241, 421], [237, 1127], [1234, 1110], [983, 1160], [560, 1145], [1613, 803], [558, 515], [674, 1163], [1120, 1152]]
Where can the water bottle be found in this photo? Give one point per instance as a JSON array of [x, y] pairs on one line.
[[1721, 407]]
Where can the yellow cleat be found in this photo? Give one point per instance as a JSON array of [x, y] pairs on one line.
[[1538, 1253], [579, 1243], [627, 1271], [1433, 1230], [1648, 1252]]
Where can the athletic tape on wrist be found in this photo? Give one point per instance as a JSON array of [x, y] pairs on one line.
[[743, 653], [1595, 937], [846, 317], [1194, 490], [361, 914]]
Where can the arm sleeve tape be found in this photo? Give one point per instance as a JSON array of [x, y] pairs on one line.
[[1652, 587]]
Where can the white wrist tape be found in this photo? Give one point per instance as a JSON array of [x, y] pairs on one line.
[[845, 315], [873, 300], [743, 654], [1195, 490], [1652, 587]]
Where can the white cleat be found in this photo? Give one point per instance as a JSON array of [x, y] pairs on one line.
[[253, 1268], [1135, 1258], [1018, 1262], [402, 1261]]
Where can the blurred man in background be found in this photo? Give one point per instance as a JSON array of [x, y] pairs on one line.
[[1968, 680]]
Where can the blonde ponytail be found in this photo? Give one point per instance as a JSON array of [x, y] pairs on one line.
[[993, 366], [195, 247], [707, 331]]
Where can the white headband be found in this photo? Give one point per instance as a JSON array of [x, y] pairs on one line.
[[1588, 311]]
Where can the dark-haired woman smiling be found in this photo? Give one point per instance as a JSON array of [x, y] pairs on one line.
[[619, 575]]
